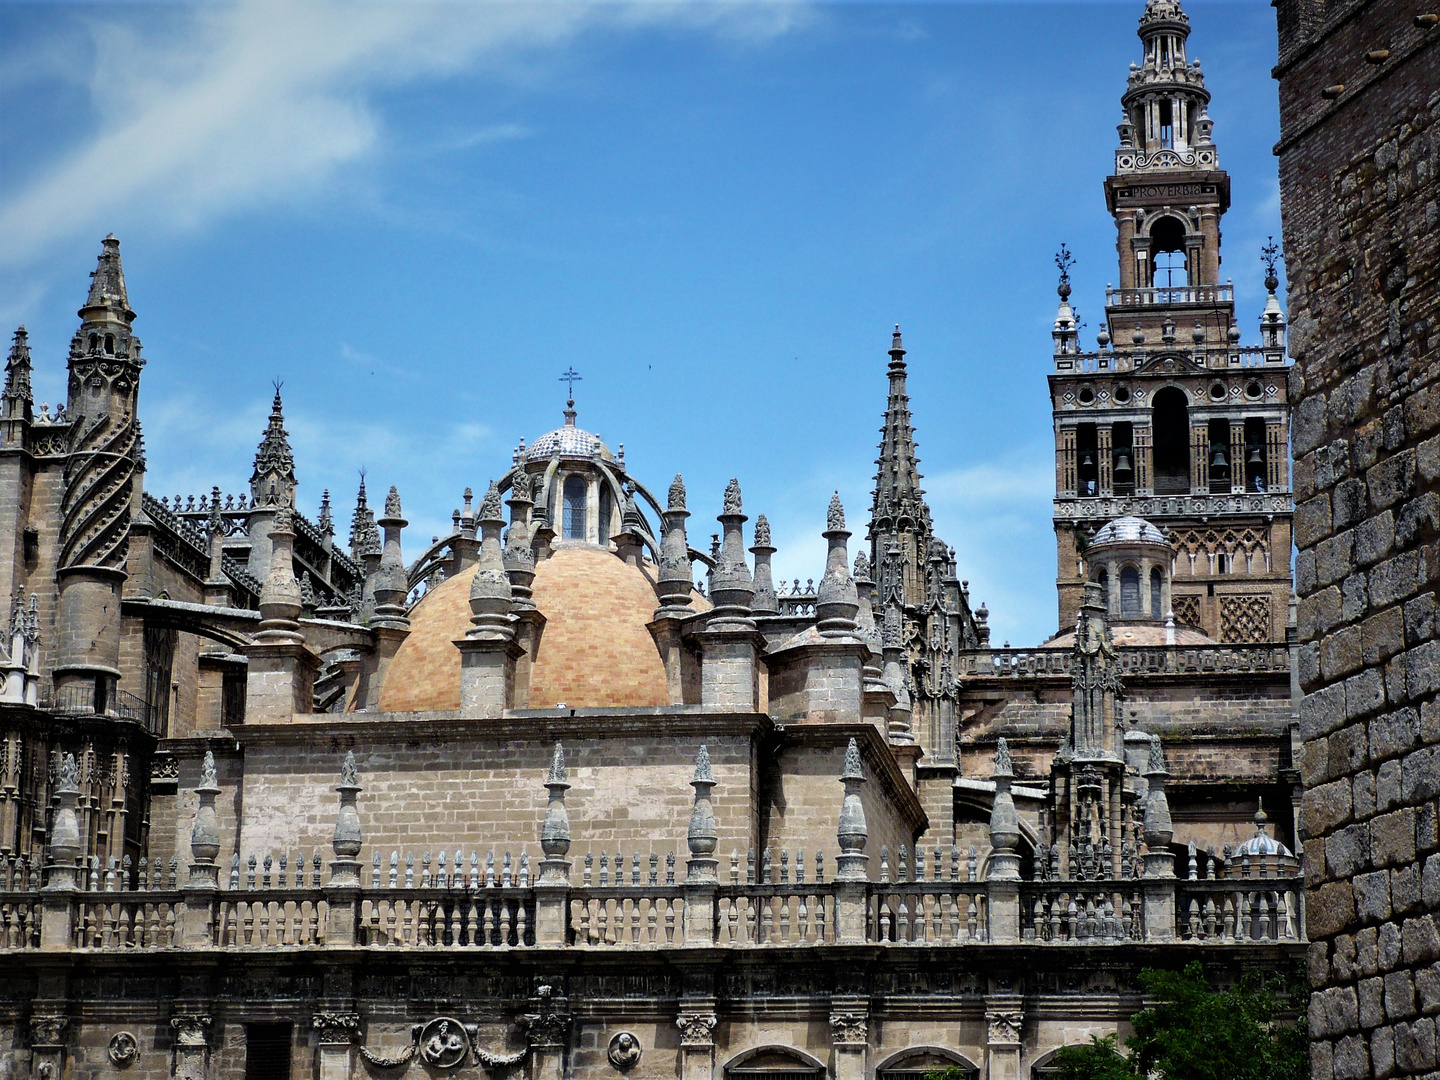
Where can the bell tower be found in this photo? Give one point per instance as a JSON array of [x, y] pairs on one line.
[[1171, 419]]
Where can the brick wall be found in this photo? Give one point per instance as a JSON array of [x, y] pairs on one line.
[[1359, 156]]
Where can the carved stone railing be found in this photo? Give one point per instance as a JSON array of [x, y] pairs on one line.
[[1091, 912], [1241, 909], [463, 918], [1199, 504], [627, 915], [928, 913], [1170, 294], [1133, 660], [19, 921]]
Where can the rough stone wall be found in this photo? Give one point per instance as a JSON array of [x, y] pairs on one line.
[[1359, 156]]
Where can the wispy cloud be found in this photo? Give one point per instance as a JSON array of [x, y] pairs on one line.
[[222, 107]]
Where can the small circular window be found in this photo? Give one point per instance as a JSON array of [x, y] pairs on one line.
[[1217, 392], [1253, 390], [1122, 394], [1086, 396]]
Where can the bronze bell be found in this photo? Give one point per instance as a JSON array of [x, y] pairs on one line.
[[1123, 468], [1255, 458], [1218, 461], [1087, 460]]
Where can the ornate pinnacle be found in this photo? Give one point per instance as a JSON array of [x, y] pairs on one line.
[[216, 522], [207, 771], [732, 497], [1156, 765], [68, 775], [890, 630], [835, 516], [17, 367], [349, 771], [392, 503], [520, 487], [1064, 260], [762, 531], [701, 836], [326, 521], [852, 770], [852, 832], [1268, 255], [862, 566], [677, 493], [490, 505]]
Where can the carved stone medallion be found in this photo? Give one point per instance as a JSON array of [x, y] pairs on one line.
[[124, 1049], [444, 1043], [624, 1050]]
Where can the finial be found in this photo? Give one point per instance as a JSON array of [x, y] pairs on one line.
[[852, 770], [732, 496], [557, 766], [835, 516], [1260, 817], [1003, 766], [762, 531], [862, 565], [68, 774], [677, 493], [702, 765], [349, 771], [490, 505], [1268, 255], [327, 519], [207, 770], [1157, 758], [1064, 260], [392, 502]]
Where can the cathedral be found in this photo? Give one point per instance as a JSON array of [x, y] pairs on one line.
[[561, 794]]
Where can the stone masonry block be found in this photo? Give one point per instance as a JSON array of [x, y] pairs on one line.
[[1399, 995], [1327, 806], [1420, 774], [1372, 896], [1394, 733], [1374, 538], [1331, 909], [1392, 837]]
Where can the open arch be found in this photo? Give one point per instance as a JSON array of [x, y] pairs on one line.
[[1167, 252], [774, 1063], [1171, 424], [918, 1061]]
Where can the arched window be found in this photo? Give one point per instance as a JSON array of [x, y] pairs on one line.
[[1129, 592], [1102, 577], [774, 1063], [917, 1064], [110, 343], [1171, 424], [1157, 594], [574, 494], [607, 527], [94, 342]]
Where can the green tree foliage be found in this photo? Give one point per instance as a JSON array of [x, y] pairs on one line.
[[1196, 1033]]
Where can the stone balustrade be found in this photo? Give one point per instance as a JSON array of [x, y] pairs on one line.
[[1131, 660]]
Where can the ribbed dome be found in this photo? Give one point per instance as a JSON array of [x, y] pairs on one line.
[[595, 649], [1128, 530], [570, 441], [1262, 844]]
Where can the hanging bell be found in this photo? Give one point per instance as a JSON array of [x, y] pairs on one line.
[[1255, 458], [1087, 460], [1218, 461], [1123, 469]]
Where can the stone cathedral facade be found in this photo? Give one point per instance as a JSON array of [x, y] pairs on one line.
[[563, 795]]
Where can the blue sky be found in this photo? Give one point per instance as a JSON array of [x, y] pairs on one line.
[[419, 215]]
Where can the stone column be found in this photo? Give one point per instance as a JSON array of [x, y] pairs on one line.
[[851, 885], [1004, 1021], [337, 1034], [849, 1035], [1003, 886], [730, 645], [701, 881], [697, 1022], [281, 677], [342, 894], [204, 884], [552, 889], [192, 1046]]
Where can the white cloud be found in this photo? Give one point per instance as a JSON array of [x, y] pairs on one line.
[[220, 107]]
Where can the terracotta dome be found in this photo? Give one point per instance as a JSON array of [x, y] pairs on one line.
[[595, 649]]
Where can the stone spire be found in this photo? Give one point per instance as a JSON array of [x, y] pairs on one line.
[[490, 594], [897, 484], [852, 832], [519, 559], [391, 584], [1004, 822], [701, 837], [107, 282], [280, 599], [272, 483], [765, 602], [674, 583], [731, 587], [1095, 681], [326, 521], [17, 395], [836, 600]]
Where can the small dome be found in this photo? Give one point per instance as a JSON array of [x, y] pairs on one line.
[[569, 441], [595, 649], [1128, 530], [1262, 844]]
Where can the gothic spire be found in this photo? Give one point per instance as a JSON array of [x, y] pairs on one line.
[[17, 368], [897, 485], [364, 536], [273, 481], [107, 283]]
